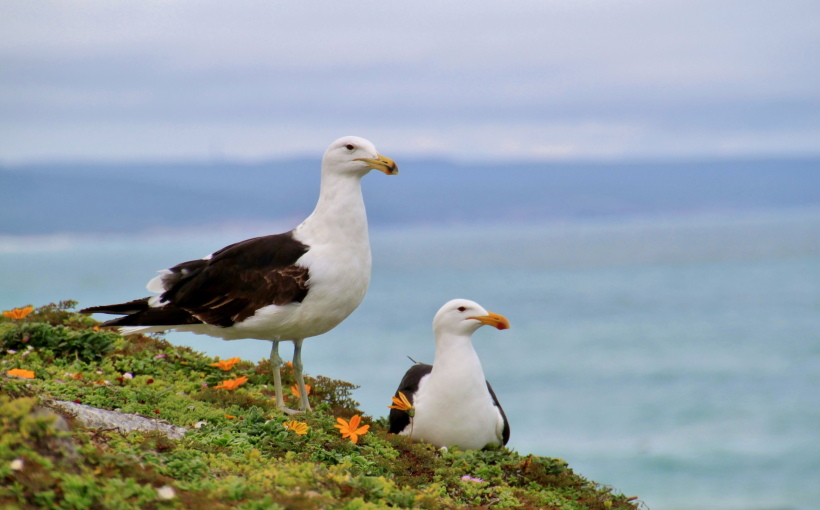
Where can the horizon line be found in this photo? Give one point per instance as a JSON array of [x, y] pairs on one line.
[[430, 158]]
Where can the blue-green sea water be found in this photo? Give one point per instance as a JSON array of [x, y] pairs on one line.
[[674, 359]]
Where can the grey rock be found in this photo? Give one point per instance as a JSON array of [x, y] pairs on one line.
[[62, 444], [100, 418]]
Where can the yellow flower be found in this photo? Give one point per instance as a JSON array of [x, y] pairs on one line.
[[77, 377], [18, 313], [299, 428], [402, 404], [226, 364], [19, 372], [352, 429], [295, 390], [232, 384]]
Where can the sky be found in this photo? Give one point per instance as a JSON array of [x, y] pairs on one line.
[[251, 80]]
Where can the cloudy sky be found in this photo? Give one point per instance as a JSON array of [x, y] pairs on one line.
[[249, 80]]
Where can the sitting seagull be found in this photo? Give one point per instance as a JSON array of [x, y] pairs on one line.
[[284, 287], [453, 403]]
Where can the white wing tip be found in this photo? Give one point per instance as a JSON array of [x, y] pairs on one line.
[[156, 302], [155, 285]]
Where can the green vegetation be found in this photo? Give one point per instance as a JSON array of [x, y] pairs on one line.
[[242, 456]]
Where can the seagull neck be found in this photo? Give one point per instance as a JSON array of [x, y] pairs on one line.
[[340, 210], [456, 359]]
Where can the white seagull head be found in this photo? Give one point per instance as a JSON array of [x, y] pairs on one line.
[[462, 317], [351, 155]]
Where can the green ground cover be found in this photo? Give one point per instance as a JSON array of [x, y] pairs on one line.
[[242, 455]]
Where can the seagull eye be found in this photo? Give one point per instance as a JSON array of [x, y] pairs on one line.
[[462, 308], [350, 147]]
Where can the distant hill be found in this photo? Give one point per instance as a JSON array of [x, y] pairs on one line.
[[43, 199]]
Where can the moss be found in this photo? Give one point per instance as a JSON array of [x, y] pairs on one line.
[[72, 336], [243, 456]]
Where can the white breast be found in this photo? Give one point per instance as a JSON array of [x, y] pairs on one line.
[[452, 413]]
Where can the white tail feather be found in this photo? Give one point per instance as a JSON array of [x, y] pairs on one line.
[[133, 330]]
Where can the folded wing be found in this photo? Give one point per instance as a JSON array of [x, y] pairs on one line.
[[223, 289]]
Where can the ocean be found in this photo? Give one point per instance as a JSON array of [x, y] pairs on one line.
[[673, 358]]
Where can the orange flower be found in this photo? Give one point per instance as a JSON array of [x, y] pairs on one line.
[[228, 416], [402, 404], [352, 429], [96, 328], [226, 364], [296, 427], [289, 364], [295, 390], [232, 384], [18, 313], [19, 372], [78, 376]]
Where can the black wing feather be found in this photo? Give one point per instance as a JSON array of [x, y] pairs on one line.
[[139, 313], [409, 385], [505, 434], [168, 315], [227, 288], [136, 306]]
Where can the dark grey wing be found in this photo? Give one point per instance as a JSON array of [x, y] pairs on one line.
[[506, 433], [409, 385], [226, 288]]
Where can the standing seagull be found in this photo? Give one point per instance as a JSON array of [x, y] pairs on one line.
[[453, 403], [284, 287]]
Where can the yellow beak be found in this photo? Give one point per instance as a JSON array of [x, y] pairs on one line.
[[382, 164], [493, 319]]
